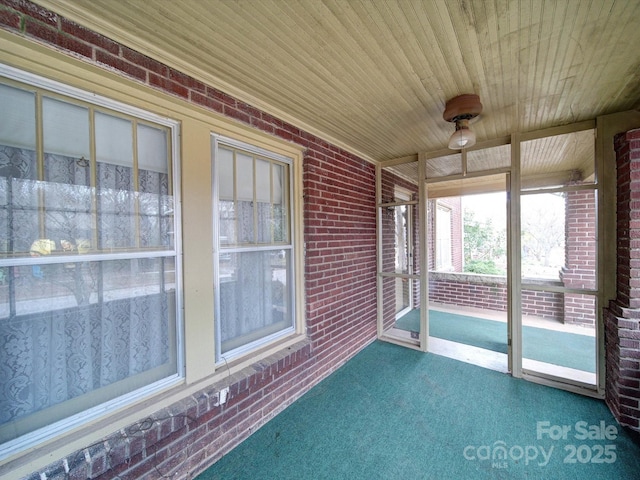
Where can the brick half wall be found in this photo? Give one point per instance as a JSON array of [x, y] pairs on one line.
[[489, 292]]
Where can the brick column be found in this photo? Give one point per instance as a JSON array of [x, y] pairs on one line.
[[622, 317], [580, 256]]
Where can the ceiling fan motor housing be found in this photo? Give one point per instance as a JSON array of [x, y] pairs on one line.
[[462, 107]]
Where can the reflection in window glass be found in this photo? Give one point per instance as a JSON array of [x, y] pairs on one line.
[[78, 331]]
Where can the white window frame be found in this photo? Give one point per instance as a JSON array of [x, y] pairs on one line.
[[50, 431], [440, 265]]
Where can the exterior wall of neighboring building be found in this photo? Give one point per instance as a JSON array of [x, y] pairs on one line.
[[454, 205]]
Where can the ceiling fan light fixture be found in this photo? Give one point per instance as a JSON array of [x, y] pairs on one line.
[[460, 110], [463, 137]]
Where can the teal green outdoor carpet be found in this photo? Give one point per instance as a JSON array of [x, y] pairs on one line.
[[559, 348], [396, 413]]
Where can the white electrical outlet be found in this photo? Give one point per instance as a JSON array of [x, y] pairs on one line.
[[222, 397], [224, 394]]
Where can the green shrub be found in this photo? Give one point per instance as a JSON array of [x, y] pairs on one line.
[[487, 267]]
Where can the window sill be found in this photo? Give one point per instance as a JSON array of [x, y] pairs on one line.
[[265, 355]]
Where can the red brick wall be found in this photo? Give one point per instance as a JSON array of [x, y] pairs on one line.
[[580, 256], [340, 268], [340, 236], [542, 304], [622, 317]]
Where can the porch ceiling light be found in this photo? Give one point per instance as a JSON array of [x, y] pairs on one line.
[[460, 110]]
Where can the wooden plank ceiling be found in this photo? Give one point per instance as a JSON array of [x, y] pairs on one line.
[[373, 76]]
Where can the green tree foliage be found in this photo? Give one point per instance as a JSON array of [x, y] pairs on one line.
[[484, 243]]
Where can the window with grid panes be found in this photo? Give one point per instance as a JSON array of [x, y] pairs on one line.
[[254, 274], [88, 264]]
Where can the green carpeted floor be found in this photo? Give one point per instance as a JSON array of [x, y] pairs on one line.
[[558, 348], [396, 413]]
